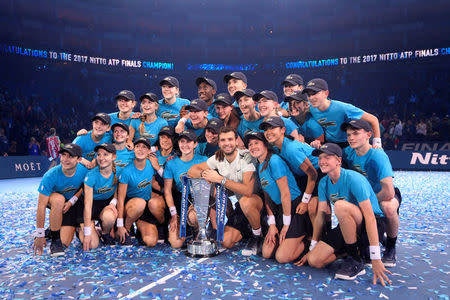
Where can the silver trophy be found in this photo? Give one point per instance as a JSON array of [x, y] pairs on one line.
[[201, 246]]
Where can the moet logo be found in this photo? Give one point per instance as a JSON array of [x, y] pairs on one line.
[[429, 158]]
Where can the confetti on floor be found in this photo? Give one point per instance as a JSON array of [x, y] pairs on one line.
[[422, 269]]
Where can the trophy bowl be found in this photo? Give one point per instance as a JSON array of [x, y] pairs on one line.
[[201, 245]]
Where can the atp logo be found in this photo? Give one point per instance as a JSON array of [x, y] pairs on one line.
[[68, 190], [144, 183], [120, 164], [358, 169], [324, 123], [167, 115], [104, 190], [335, 197], [148, 135]]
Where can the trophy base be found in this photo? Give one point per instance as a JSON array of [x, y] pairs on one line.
[[202, 248]]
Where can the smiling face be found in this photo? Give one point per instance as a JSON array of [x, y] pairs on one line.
[[317, 98], [357, 138], [227, 142], [223, 111], [246, 104], [328, 162], [288, 88], [274, 134], [186, 146], [165, 142], [169, 92], [141, 151], [68, 162], [211, 137], [197, 116], [148, 107], [257, 148], [298, 107], [99, 128], [235, 85], [266, 107], [125, 105], [120, 135], [206, 92], [104, 158]]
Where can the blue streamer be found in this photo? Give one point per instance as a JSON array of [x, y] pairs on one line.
[[184, 206]]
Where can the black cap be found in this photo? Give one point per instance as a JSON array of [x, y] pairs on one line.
[[223, 98], [170, 80], [105, 118], [247, 92], [126, 94], [150, 96], [357, 124], [121, 125], [167, 130], [143, 140], [188, 134], [197, 105], [107, 146], [293, 79], [316, 85], [207, 81], [297, 95], [235, 75], [214, 125], [72, 149], [258, 135], [271, 122], [265, 94], [328, 148]]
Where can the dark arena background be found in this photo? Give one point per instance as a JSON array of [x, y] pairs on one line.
[[62, 62]]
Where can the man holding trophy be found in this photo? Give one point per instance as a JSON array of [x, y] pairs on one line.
[[234, 170]]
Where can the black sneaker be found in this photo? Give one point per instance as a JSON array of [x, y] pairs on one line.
[[128, 242], [350, 269], [57, 248], [107, 239], [254, 246], [389, 258]]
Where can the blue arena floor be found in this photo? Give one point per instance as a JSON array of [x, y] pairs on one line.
[[422, 270]]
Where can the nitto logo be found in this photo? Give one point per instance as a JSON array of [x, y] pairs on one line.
[[429, 158]]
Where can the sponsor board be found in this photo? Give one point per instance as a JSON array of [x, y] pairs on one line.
[[23, 166], [420, 160]]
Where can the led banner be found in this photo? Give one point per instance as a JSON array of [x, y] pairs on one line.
[[64, 56], [369, 58], [85, 59], [424, 146], [420, 160], [23, 166]]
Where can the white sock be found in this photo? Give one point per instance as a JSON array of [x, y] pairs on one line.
[[257, 232]]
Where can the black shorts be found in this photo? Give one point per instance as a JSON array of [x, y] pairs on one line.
[[237, 219], [300, 224], [146, 216], [72, 216], [335, 239], [302, 182], [98, 206]]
